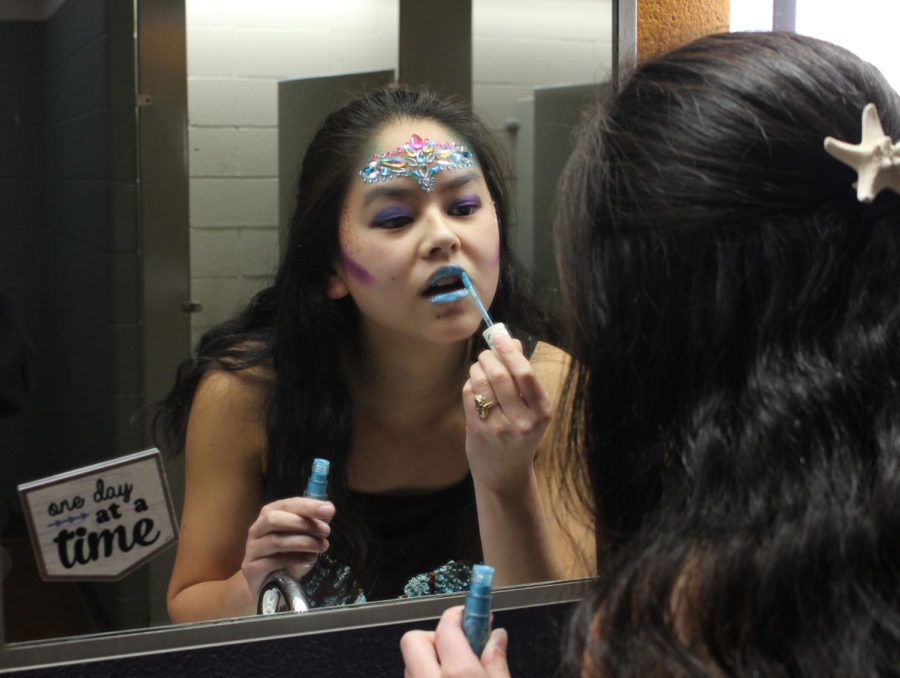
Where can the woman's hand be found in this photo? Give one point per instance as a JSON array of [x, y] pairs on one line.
[[501, 446], [446, 651], [288, 534]]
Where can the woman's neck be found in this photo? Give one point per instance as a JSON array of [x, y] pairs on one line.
[[402, 379]]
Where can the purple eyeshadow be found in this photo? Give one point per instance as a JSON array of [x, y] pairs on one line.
[[469, 201], [390, 213]]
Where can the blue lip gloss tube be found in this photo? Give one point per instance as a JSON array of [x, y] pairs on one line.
[[477, 616], [317, 486], [281, 590]]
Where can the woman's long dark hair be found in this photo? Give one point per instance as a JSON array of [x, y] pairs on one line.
[[295, 325], [736, 317]]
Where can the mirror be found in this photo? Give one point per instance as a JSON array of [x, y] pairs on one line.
[[102, 302]]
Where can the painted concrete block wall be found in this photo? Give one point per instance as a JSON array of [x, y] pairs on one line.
[[666, 24], [237, 52]]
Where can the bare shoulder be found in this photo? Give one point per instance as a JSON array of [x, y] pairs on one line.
[[230, 406], [241, 391], [551, 365], [572, 522]]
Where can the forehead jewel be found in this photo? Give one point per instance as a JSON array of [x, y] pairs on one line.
[[419, 158]]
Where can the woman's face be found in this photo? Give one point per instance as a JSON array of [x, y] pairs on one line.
[[397, 233]]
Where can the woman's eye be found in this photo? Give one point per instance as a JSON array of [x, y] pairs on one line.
[[464, 207], [392, 218]]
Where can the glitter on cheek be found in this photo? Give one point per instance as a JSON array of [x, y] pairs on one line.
[[348, 237]]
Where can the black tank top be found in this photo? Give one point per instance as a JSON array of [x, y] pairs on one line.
[[415, 544], [416, 535]]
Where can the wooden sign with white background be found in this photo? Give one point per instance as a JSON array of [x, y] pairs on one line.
[[100, 521]]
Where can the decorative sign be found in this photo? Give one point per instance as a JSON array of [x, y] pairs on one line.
[[100, 521]]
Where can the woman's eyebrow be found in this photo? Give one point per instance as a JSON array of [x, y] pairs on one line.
[[458, 181], [392, 192]]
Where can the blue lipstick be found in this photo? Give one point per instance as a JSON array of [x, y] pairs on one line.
[[468, 290], [451, 271]]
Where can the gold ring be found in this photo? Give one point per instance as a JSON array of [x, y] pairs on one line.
[[483, 406]]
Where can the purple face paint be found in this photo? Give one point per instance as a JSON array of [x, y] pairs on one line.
[[354, 269]]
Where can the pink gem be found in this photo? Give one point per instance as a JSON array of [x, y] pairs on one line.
[[416, 141]]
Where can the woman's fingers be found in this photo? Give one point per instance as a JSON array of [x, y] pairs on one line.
[[478, 385], [285, 542], [419, 654], [288, 523], [255, 571], [301, 507], [287, 534], [297, 515], [446, 651], [511, 381], [493, 658]]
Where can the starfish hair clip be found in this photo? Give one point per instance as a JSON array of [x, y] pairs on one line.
[[419, 158], [875, 158]]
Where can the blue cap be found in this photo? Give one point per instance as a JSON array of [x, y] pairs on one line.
[[317, 487]]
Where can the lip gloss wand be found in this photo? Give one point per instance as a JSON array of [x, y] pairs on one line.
[[493, 329]]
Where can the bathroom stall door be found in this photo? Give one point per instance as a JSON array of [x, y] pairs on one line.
[[164, 237], [543, 145], [303, 105]]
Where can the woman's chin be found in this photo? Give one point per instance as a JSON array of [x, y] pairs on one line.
[[459, 329]]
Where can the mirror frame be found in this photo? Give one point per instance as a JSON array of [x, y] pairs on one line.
[[549, 601], [101, 647]]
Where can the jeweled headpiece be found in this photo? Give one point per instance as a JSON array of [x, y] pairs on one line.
[[875, 158], [419, 158]]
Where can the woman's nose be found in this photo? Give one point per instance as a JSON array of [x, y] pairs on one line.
[[440, 235]]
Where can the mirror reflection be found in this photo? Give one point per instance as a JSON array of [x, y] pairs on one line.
[[77, 287]]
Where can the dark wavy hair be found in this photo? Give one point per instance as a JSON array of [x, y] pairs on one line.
[[303, 332], [735, 315]]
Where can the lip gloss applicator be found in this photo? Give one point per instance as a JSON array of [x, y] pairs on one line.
[[493, 329]]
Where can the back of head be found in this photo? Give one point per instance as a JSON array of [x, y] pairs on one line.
[[736, 312]]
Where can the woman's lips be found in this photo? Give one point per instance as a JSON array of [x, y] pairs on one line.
[[445, 285]]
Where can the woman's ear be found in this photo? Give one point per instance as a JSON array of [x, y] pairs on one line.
[[336, 287]]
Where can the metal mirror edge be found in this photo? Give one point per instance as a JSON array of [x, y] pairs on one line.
[[248, 629]]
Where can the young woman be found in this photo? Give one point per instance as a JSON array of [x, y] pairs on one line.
[[734, 299], [362, 352]]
